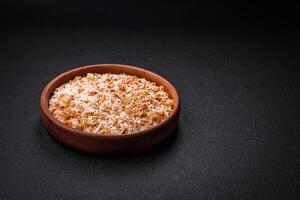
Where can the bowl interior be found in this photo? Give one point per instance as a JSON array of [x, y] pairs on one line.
[[107, 68]]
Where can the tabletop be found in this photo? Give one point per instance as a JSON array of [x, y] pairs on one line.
[[238, 133]]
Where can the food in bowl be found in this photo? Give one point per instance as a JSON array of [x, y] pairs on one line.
[[110, 104]]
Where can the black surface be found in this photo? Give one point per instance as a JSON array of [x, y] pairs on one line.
[[238, 136]]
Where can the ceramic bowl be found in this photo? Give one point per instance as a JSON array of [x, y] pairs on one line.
[[108, 144]]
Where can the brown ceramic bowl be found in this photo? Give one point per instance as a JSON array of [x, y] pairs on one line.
[[108, 144]]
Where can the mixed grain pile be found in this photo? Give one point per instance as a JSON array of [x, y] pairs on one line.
[[110, 104]]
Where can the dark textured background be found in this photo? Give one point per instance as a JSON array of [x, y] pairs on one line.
[[235, 67]]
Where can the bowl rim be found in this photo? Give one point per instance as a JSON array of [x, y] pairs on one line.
[[44, 105]]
